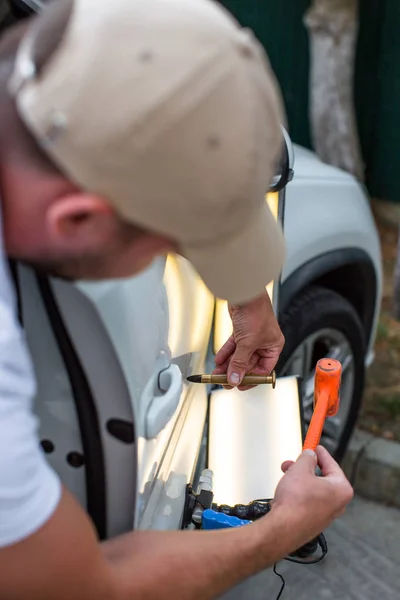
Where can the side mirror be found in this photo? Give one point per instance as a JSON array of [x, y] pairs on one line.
[[285, 167]]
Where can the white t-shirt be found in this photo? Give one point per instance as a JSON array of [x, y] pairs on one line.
[[29, 489]]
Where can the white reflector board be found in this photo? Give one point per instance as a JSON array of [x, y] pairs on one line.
[[251, 434]]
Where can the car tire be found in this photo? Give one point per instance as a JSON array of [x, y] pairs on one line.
[[315, 311]]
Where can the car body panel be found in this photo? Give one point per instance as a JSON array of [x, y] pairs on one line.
[[334, 212], [165, 495], [337, 214]]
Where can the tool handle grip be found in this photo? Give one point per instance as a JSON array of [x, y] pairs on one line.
[[317, 423], [326, 398]]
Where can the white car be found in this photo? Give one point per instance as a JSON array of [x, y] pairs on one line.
[[129, 435]]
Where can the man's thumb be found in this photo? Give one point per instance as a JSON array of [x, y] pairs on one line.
[[308, 459], [238, 364]]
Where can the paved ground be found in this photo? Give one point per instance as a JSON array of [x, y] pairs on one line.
[[362, 563]]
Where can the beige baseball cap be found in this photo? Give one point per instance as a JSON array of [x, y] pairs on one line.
[[169, 109]]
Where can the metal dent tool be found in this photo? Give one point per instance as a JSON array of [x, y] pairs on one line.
[[223, 379]]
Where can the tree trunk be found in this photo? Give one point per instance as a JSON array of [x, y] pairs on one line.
[[333, 30]]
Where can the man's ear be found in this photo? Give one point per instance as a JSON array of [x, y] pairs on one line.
[[81, 218]]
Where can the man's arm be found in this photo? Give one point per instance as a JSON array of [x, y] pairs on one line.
[[64, 560]]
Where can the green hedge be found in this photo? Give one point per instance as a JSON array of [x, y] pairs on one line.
[[279, 26], [378, 95]]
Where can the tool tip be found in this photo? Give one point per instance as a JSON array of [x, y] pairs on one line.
[[194, 378]]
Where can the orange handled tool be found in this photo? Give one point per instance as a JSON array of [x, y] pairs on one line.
[[328, 374]]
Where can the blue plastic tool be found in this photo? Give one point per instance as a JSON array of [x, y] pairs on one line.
[[216, 520]]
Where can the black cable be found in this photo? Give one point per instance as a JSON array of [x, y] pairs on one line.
[[259, 508], [283, 582], [323, 544], [324, 548]]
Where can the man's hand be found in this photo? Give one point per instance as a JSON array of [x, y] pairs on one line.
[[307, 503], [256, 342]]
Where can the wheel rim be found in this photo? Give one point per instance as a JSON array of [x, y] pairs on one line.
[[324, 343]]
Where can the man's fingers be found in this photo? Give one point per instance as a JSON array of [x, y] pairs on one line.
[[239, 363], [286, 465], [267, 364], [326, 463], [342, 489], [225, 352], [221, 369], [307, 461], [252, 369]]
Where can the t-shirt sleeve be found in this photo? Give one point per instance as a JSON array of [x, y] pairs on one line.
[[29, 489]]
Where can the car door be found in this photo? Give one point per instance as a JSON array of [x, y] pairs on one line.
[[167, 460], [160, 326]]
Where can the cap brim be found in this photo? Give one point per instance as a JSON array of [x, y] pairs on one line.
[[239, 269]]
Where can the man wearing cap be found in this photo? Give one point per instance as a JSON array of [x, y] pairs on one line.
[[130, 129]]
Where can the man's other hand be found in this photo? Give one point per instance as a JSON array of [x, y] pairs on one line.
[[256, 342], [309, 503]]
